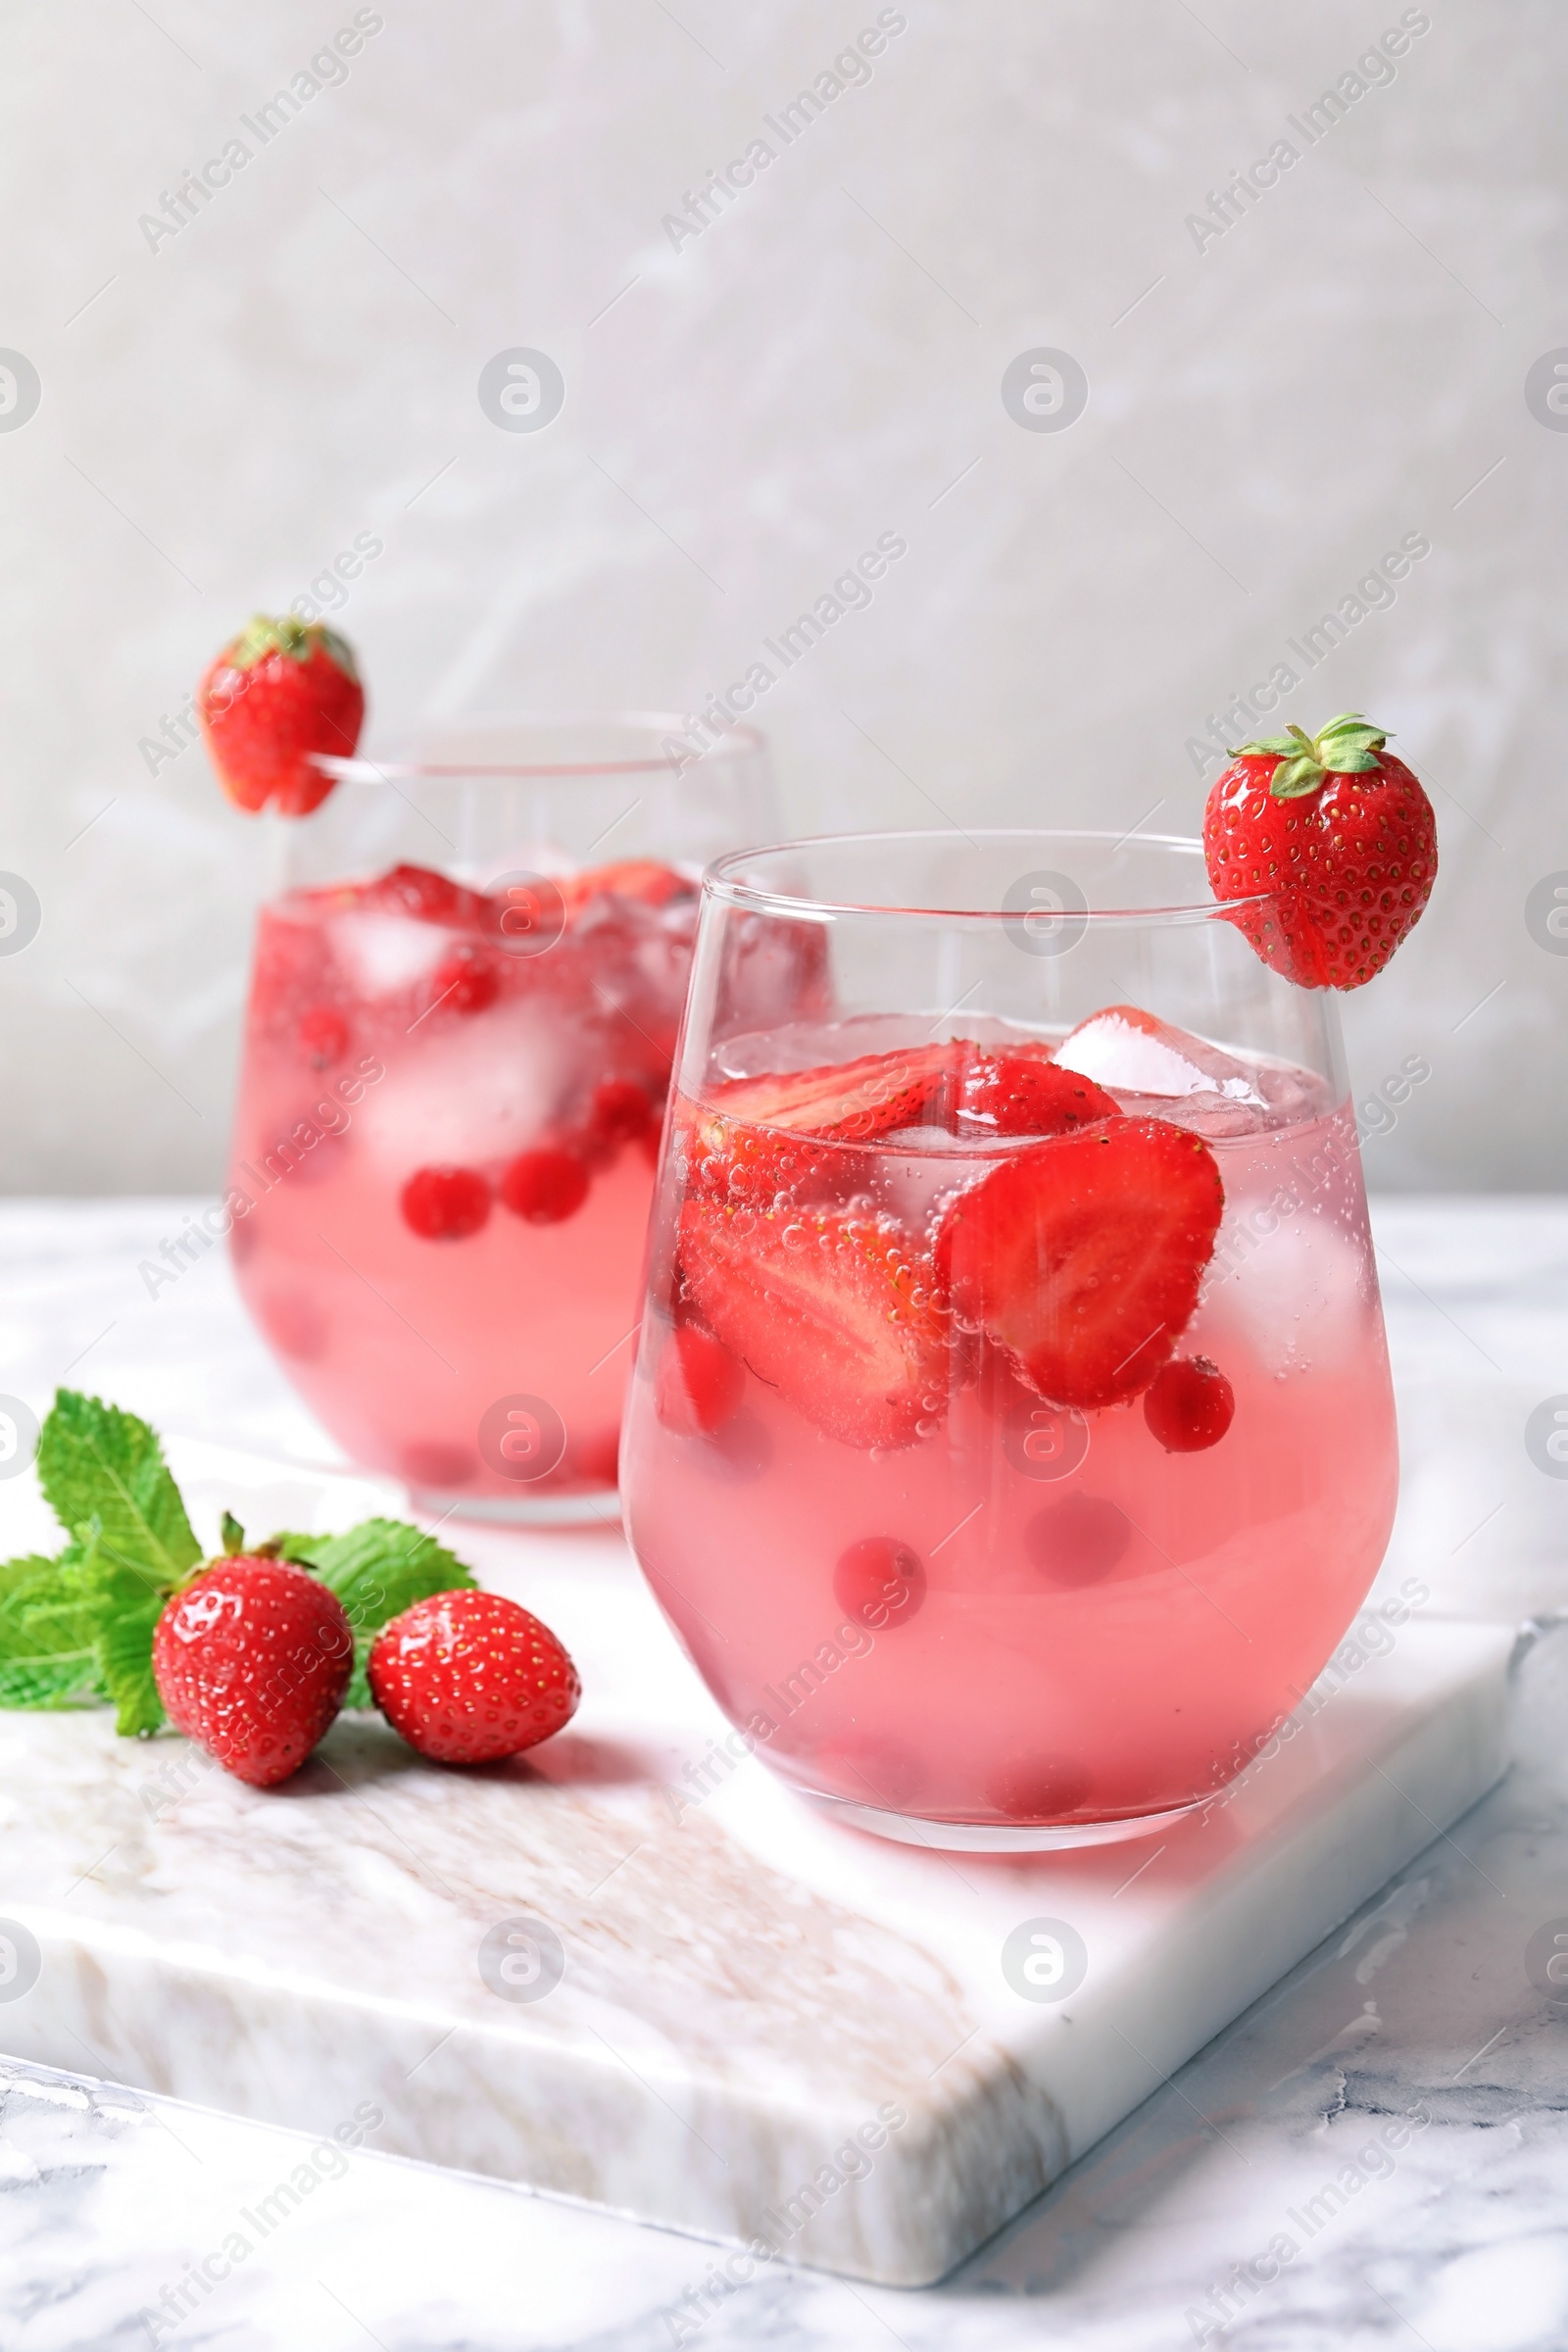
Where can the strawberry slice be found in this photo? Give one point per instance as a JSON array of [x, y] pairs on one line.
[[642, 878], [1019, 1091], [835, 1312], [848, 1101], [737, 1144], [1082, 1257]]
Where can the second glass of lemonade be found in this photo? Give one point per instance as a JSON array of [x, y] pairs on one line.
[[463, 1007]]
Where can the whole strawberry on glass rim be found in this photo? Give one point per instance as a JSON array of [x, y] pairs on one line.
[[280, 693], [1341, 830]]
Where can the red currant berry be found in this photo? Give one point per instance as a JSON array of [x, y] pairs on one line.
[[1189, 1404], [620, 1111], [879, 1581], [699, 1385], [445, 1205], [545, 1187]]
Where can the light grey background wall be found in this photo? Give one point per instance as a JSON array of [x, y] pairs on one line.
[[1277, 399]]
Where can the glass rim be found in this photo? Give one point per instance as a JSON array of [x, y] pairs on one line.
[[358, 769], [724, 881]]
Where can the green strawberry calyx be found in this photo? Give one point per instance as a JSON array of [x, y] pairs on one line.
[[1349, 746], [294, 639]]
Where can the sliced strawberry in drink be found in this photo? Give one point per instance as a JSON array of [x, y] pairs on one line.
[[1082, 1257], [834, 1312], [849, 1101], [419, 891], [464, 982], [1018, 1092], [644, 879]]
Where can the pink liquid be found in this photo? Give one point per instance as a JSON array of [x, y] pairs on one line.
[[1100, 1637], [403, 1343]]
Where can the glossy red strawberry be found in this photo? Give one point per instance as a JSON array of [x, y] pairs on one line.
[[252, 1659], [468, 1677], [1342, 831], [282, 690], [835, 1312], [1081, 1258]]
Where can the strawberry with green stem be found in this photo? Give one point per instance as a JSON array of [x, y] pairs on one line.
[[280, 693], [1340, 833], [251, 1654]]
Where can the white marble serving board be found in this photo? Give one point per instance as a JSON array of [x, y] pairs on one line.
[[767, 2026]]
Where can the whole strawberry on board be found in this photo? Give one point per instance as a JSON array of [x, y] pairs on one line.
[[282, 690], [251, 1655], [1342, 831], [252, 1659], [467, 1678]]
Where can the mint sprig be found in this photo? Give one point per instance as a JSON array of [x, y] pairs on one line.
[[78, 1629], [48, 1628]]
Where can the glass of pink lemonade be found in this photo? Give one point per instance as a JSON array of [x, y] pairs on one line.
[[1012, 1437], [462, 1009]]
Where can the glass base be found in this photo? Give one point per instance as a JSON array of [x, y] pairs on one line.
[[996, 1836], [594, 1507]]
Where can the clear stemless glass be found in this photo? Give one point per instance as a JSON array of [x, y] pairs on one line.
[[464, 1004], [1013, 1437]]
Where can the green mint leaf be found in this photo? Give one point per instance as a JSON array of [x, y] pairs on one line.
[[98, 1464], [358, 1694], [67, 1679], [130, 1604], [379, 1569], [48, 1622]]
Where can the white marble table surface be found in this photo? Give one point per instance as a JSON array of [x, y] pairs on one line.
[[1275, 2135]]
